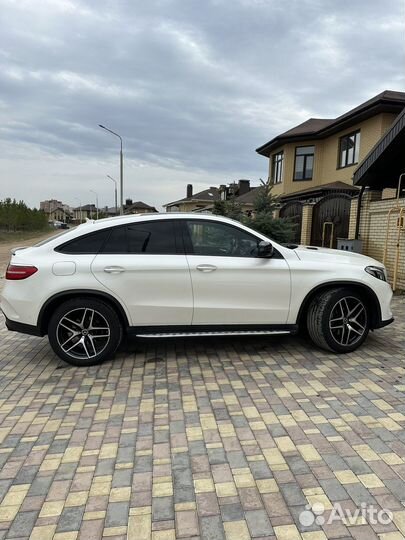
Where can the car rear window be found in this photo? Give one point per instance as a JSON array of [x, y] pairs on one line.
[[149, 237], [89, 244]]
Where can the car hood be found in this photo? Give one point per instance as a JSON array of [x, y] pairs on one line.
[[334, 256]]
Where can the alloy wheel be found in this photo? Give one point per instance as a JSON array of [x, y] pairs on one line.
[[348, 320], [83, 333]]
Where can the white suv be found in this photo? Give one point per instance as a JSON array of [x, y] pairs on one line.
[[187, 274]]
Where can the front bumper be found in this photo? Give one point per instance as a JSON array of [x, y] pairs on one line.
[[381, 323]]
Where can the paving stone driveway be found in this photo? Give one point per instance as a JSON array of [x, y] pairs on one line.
[[211, 439]]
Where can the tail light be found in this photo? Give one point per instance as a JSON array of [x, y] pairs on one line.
[[15, 271]]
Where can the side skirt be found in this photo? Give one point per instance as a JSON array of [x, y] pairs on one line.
[[212, 330]]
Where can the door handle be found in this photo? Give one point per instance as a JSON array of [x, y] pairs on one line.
[[114, 269], [206, 267]]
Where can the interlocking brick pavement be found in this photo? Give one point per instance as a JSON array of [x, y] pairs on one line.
[[212, 439]]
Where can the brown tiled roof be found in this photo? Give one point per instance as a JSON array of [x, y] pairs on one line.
[[249, 197], [313, 125], [139, 204], [319, 128]]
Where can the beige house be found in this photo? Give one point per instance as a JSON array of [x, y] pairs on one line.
[[59, 214], [87, 211], [379, 222], [313, 164], [203, 201]]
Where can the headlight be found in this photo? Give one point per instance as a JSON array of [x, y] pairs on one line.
[[377, 272]]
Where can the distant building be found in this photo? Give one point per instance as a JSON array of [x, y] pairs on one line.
[[60, 214], [50, 205], [56, 210], [86, 211], [137, 207], [203, 201]]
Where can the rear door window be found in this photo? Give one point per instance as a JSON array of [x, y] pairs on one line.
[[117, 241], [152, 237]]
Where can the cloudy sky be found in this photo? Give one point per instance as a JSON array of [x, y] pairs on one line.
[[193, 87]]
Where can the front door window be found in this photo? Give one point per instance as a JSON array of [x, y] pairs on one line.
[[220, 240]]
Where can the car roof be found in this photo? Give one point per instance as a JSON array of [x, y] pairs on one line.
[[133, 218]]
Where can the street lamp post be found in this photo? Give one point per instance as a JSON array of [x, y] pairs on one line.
[[115, 192], [92, 191], [80, 208], [121, 168]]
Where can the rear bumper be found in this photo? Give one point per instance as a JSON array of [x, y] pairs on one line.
[[23, 328]]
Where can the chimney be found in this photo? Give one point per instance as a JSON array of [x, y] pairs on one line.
[[244, 187], [222, 192], [128, 202], [189, 192]]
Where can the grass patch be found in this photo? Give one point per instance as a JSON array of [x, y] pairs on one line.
[[21, 236]]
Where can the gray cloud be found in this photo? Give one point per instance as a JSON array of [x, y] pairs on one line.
[[193, 87]]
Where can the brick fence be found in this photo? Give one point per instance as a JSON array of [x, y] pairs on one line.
[[373, 231]]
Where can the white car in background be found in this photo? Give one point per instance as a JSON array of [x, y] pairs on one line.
[[187, 274]]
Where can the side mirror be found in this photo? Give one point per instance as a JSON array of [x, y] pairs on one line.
[[265, 249]]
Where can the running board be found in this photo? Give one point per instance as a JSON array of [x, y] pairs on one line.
[[207, 334]]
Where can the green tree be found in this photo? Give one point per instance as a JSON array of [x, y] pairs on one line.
[[263, 220], [219, 208], [16, 216], [230, 208]]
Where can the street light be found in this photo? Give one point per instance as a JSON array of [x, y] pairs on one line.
[[92, 191], [80, 208], [121, 168], [115, 192]]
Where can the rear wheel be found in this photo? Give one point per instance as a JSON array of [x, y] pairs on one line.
[[84, 331], [338, 320]]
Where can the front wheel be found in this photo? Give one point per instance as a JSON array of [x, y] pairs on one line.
[[338, 320], [84, 331]]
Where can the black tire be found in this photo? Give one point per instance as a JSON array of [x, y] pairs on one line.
[[96, 341], [328, 326]]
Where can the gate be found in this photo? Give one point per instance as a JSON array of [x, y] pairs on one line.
[[330, 220], [293, 212]]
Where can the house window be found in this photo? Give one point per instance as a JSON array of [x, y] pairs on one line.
[[304, 162], [277, 172], [349, 149]]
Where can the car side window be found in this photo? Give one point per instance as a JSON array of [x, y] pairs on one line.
[[220, 240], [152, 237], [89, 244], [117, 241]]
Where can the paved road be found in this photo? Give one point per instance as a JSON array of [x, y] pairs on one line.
[[211, 439]]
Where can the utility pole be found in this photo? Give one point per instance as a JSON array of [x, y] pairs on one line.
[[121, 168]]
